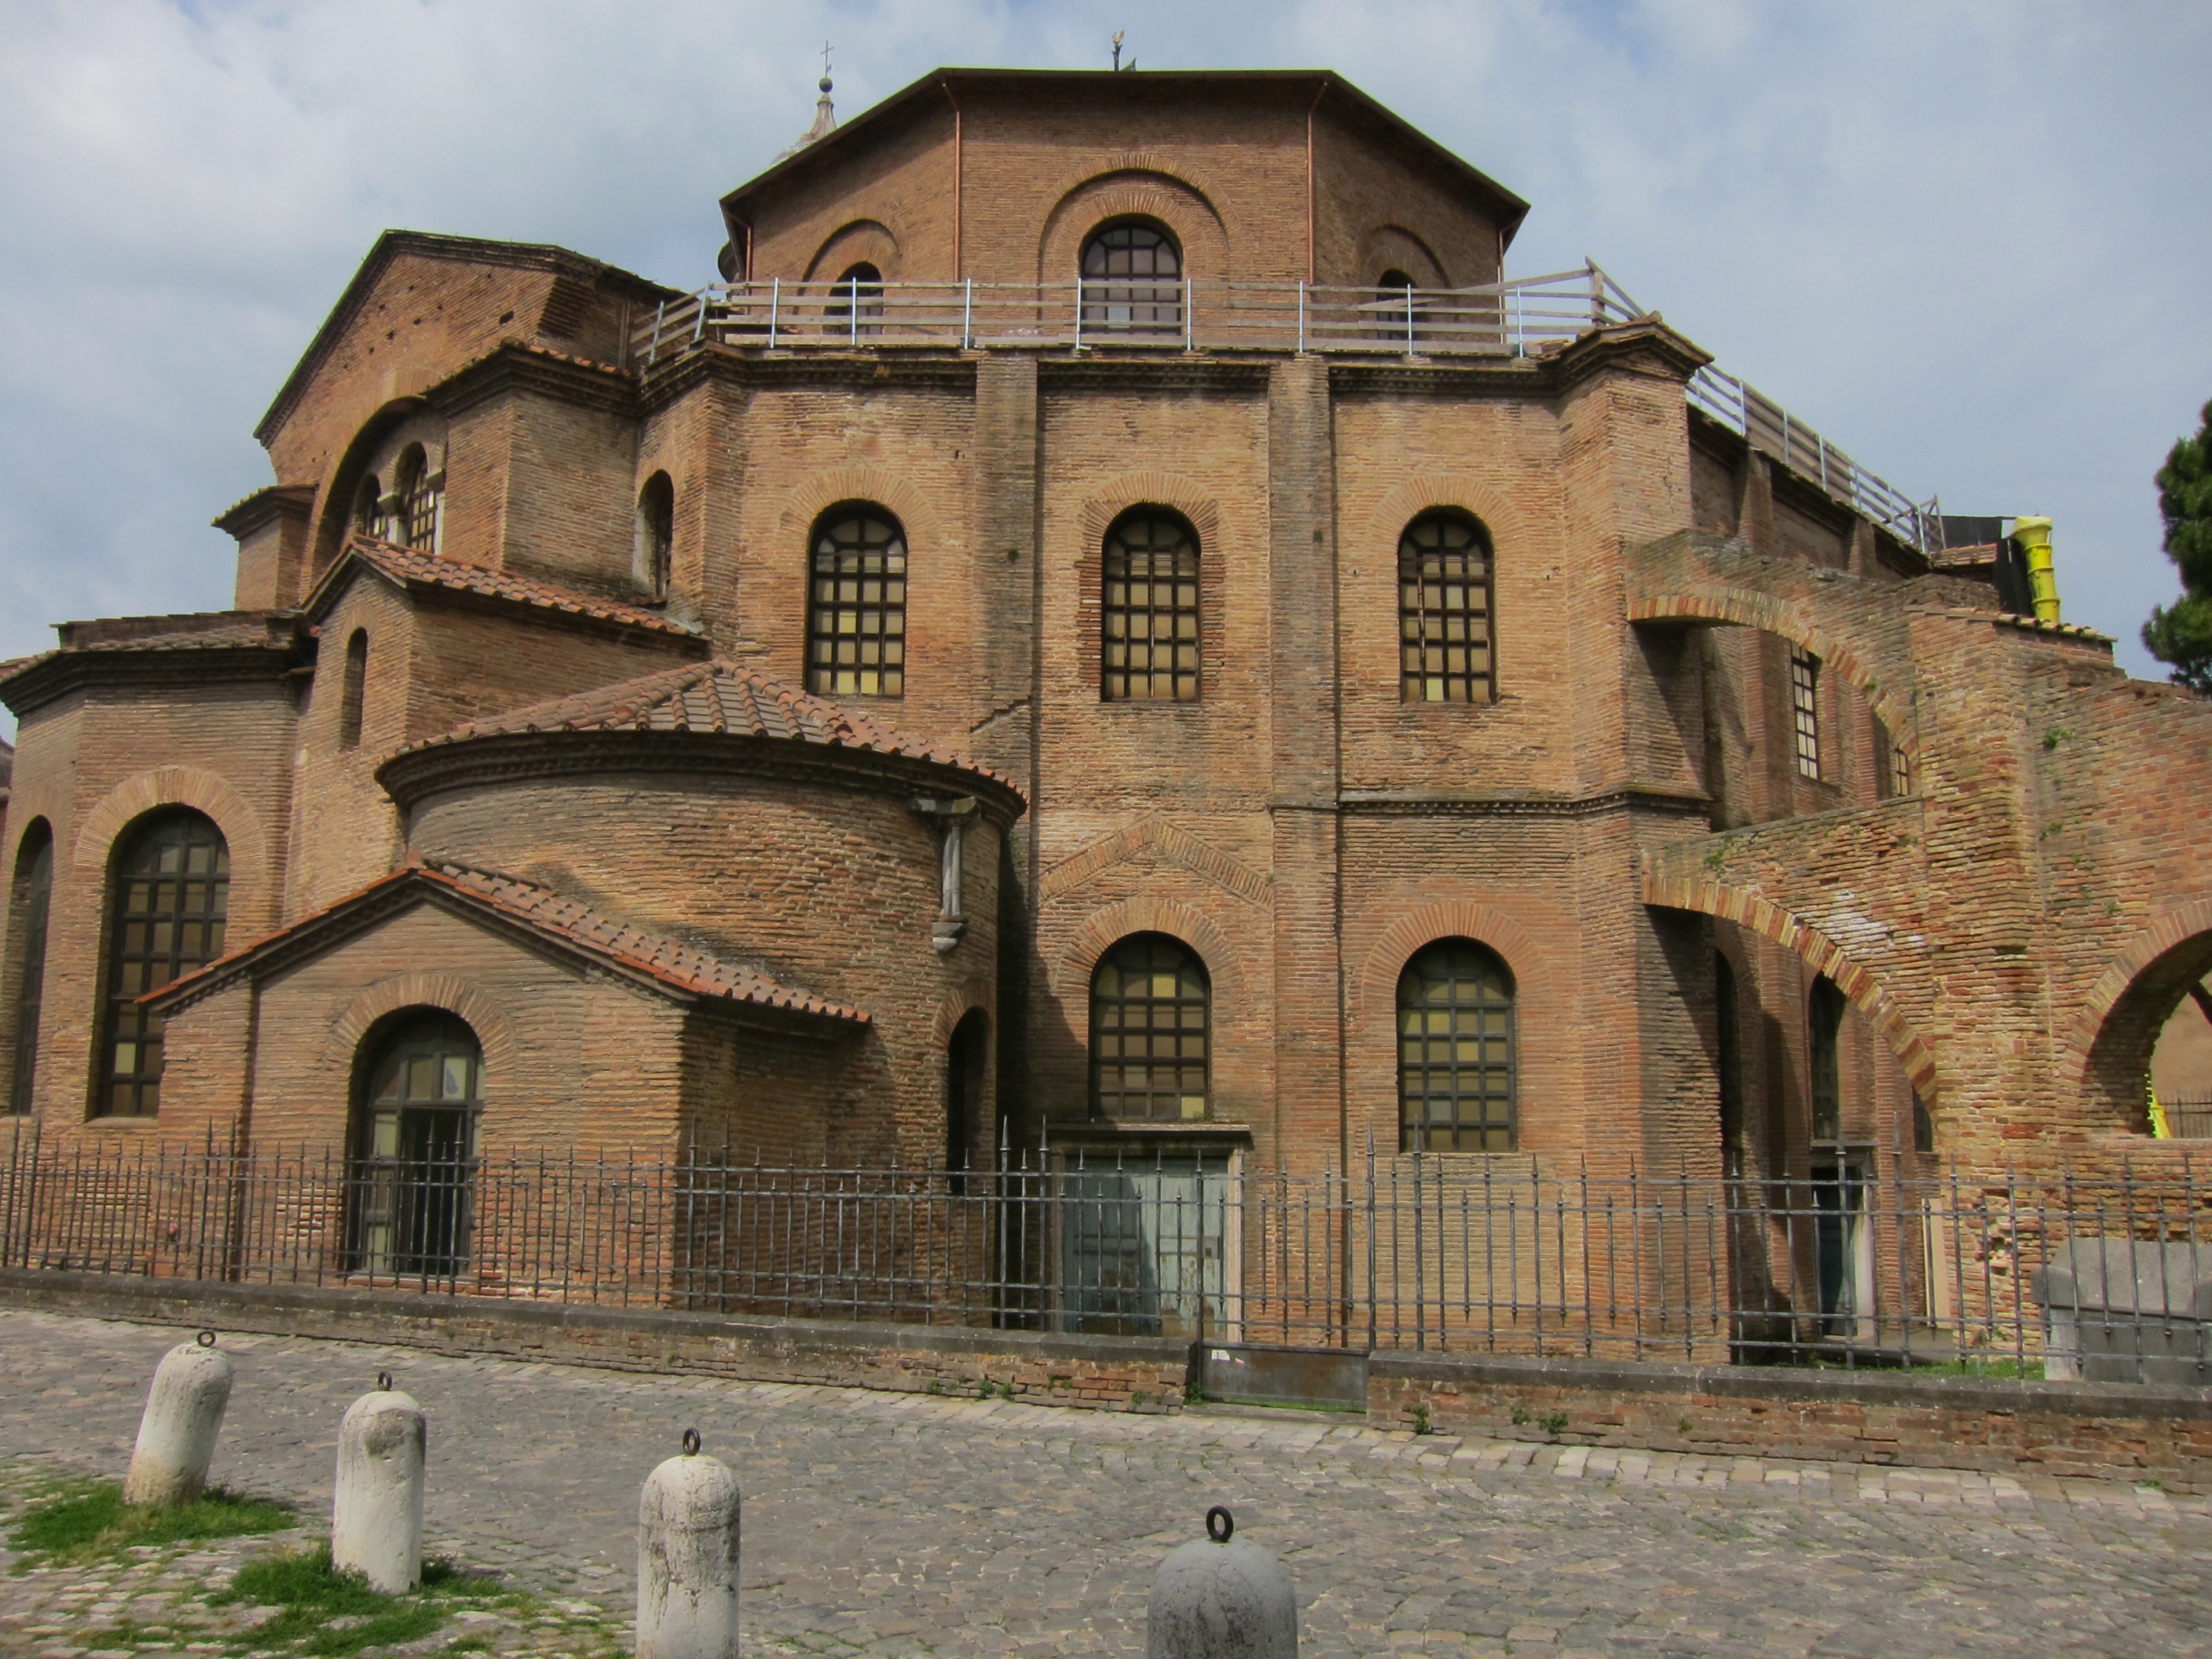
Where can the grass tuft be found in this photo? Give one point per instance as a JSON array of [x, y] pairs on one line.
[[92, 1520], [326, 1612]]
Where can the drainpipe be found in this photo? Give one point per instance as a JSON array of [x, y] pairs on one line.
[[959, 182], [1320, 93], [2034, 536]]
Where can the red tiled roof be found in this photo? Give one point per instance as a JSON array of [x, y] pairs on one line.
[[719, 697], [411, 565], [669, 962]]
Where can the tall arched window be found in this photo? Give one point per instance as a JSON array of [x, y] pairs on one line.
[[1132, 279], [1443, 610], [856, 612], [369, 507], [1456, 1051], [856, 307], [415, 1137], [1823, 1021], [415, 516], [1150, 1014], [354, 692], [30, 899], [166, 906], [1150, 648], [656, 535]]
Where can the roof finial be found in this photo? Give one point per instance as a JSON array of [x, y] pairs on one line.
[[825, 113], [1118, 34]]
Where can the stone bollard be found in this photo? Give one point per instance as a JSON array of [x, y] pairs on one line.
[[184, 1414], [376, 1520], [1221, 1600], [687, 1559]]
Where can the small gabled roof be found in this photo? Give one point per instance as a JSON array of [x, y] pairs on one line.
[[414, 567], [653, 959], [720, 698], [856, 133], [525, 256]]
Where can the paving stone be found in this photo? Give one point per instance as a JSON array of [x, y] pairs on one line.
[[903, 1524]]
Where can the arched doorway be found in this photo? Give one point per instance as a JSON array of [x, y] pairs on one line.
[[413, 1168]]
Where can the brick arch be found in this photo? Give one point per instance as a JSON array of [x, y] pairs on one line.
[[810, 499], [2088, 1047], [956, 1005], [333, 510], [1500, 513], [1779, 616], [1820, 952], [1117, 495], [1140, 186], [181, 785], [1385, 246], [1376, 982], [852, 243], [421, 988], [1079, 957]]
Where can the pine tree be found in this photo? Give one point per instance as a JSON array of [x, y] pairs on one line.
[[2182, 635]]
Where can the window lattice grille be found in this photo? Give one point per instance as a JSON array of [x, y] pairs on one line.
[[1805, 709], [1444, 612], [171, 897], [856, 628], [1150, 652], [1149, 1009], [1456, 1059], [415, 511], [1133, 281]]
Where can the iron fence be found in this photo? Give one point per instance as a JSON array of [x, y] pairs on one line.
[[1861, 1257]]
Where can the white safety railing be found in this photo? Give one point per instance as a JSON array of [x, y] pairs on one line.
[[1123, 312], [1527, 316]]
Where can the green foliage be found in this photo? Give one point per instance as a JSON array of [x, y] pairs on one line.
[[1421, 1415], [92, 1520], [326, 1612], [1553, 1423], [2181, 635]]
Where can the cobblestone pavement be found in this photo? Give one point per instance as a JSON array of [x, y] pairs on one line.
[[899, 1524]]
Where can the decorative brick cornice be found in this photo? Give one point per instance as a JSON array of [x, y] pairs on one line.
[[217, 649], [932, 367], [514, 366], [1443, 803], [264, 508]]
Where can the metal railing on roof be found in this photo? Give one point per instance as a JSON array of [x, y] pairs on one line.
[[1527, 316]]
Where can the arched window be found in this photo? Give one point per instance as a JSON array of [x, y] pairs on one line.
[[415, 516], [169, 899], [856, 305], [1133, 280], [1443, 610], [414, 1136], [856, 613], [354, 690], [30, 899], [369, 507], [1456, 1051], [656, 535], [1393, 308], [1150, 645], [967, 1057], [1823, 1021], [1149, 1011]]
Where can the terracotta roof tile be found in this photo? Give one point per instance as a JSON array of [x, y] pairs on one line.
[[671, 962], [719, 697], [410, 565]]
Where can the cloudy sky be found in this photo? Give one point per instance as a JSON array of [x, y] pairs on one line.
[[1971, 242]]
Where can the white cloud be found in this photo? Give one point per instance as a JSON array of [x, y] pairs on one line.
[[1966, 240]]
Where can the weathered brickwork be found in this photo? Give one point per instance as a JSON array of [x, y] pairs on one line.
[[1996, 853]]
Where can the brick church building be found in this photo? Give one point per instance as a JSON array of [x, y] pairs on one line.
[[1117, 620]]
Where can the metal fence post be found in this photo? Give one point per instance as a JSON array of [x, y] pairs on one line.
[[775, 304]]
